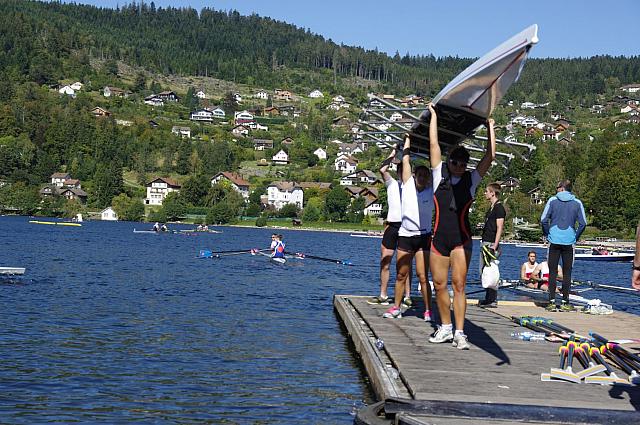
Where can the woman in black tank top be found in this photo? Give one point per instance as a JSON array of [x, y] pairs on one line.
[[451, 248]]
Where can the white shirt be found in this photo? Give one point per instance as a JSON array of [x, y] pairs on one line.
[[476, 178], [394, 215], [417, 208]]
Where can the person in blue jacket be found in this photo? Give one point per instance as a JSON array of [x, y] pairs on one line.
[[559, 219]]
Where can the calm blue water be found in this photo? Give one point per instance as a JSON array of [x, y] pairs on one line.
[[111, 326]]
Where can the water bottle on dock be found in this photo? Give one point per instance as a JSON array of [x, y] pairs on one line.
[[528, 336]]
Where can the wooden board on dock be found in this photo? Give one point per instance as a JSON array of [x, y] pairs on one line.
[[497, 368]]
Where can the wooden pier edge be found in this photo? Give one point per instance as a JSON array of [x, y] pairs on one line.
[[376, 362]]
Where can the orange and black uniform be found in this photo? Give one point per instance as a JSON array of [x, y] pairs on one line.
[[452, 202]]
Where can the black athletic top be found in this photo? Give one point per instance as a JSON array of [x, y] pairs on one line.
[[452, 209], [490, 222]]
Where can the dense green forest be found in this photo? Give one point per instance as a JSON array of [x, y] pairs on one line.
[[41, 132]]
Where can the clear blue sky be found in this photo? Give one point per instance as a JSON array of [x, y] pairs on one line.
[[465, 28]]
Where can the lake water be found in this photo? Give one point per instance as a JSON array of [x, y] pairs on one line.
[[114, 327]]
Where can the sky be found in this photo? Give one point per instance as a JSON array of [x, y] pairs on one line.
[[463, 28]]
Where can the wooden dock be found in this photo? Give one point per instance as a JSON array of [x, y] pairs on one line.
[[499, 378]]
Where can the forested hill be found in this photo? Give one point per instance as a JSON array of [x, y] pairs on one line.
[[39, 38]]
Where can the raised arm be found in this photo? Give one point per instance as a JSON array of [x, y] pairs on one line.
[[384, 168], [406, 159], [435, 155], [490, 153]]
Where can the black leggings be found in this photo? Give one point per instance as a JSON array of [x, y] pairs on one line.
[[555, 252]]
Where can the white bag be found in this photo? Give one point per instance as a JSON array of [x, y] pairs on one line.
[[491, 275]]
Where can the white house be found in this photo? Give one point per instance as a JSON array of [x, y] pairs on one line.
[[262, 94], [528, 105], [181, 131], [345, 164], [280, 158], [108, 214], [158, 189], [243, 117], [361, 177], [338, 99], [240, 131], [396, 116], [201, 95], [58, 179], [68, 91], [153, 100], [77, 86], [316, 94], [218, 113], [349, 149], [320, 153], [280, 194], [202, 115], [109, 91], [236, 181], [631, 88]]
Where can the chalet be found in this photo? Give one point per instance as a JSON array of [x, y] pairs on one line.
[[333, 106], [271, 111], [72, 184], [509, 184], [218, 112], [316, 94], [536, 196], [153, 100], [349, 149], [340, 122], [108, 214], [338, 99], [168, 96], [76, 86], [74, 194], [236, 181], [631, 88], [325, 186], [345, 164], [360, 177], [58, 179], [287, 141], [262, 94], [256, 126], [109, 91], [100, 112], [321, 154], [124, 123], [528, 105], [565, 141], [67, 90], [240, 131], [202, 115], [201, 94], [243, 117], [262, 144], [158, 189], [282, 94], [184, 132], [280, 194], [396, 116], [280, 158], [373, 207], [287, 110]]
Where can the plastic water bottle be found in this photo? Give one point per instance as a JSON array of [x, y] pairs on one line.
[[379, 344], [393, 372], [528, 336]]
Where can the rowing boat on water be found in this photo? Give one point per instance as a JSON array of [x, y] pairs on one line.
[[146, 231], [538, 294], [610, 256], [55, 223], [12, 271], [366, 235], [275, 260]]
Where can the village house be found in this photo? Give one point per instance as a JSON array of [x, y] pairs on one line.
[[536, 196], [218, 112], [256, 126], [280, 194], [236, 181], [349, 148], [153, 100], [109, 91], [158, 189], [322, 186], [262, 94], [108, 214], [100, 112], [67, 90], [287, 141], [316, 94], [631, 88], [202, 115], [396, 116], [372, 206], [262, 144], [124, 123], [243, 117], [321, 154], [201, 94], [77, 86], [271, 111], [510, 184], [184, 132], [282, 94], [359, 178], [345, 164], [240, 131], [287, 110], [58, 179], [74, 194], [280, 158], [168, 96]]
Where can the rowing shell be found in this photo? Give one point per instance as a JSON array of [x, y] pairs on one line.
[[470, 98], [275, 260], [612, 256], [12, 271], [55, 223], [574, 298]]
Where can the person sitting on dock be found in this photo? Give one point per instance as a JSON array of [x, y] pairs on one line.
[[452, 245], [539, 278], [526, 271]]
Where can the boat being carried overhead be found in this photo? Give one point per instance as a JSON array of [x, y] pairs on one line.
[[462, 106]]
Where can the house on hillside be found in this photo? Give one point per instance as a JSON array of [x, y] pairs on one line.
[[218, 112], [74, 194], [100, 112], [200, 94], [536, 196], [262, 144], [282, 94], [240, 131], [316, 94], [77, 86], [262, 94], [58, 179], [109, 91], [67, 90], [359, 178], [243, 117], [323, 186], [372, 206], [280, 194], [631, 88], [108, 214], [345, 164], [202, 115], [280, 158], [168, 96], [153, 100], [271, 111], [158, 189], [184, 132], [321, 154], [236, 181]]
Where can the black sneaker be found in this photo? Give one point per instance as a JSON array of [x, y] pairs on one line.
[[378, 301], [487, 304]]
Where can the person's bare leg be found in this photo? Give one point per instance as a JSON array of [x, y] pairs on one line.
[[459, 266], [439, 267], [386, 255], [422, 270], [403, 266]]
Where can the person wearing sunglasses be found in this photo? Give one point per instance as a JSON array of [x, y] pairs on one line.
[[559, 218], [451, 248]]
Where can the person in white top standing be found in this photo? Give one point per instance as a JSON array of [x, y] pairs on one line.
[[390, 236], [414, 235]]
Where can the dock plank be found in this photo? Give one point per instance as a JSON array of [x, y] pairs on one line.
[[497, 368]]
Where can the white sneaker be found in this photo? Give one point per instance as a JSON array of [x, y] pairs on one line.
[[442, 335], [460, 342], [393, 313]]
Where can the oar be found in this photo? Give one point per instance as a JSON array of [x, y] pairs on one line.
[[609, 287], [566, 373], [621, 363], [589, 368], [205, 253], [330, 260], [611, 377]]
